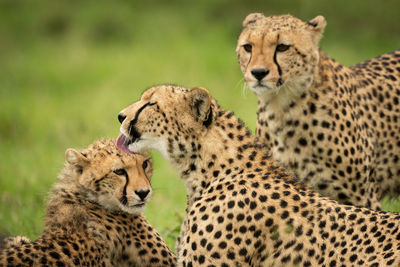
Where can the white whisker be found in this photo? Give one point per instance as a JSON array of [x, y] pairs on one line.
[[243, 85], [237, 84], [245, 89]]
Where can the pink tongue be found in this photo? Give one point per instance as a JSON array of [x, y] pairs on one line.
[[122, 144]]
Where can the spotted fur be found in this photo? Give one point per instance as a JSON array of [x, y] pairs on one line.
[[243, 209], [335, 127], [93, 217]]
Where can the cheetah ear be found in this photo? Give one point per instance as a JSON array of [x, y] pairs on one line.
[[251, 18], [201, 105], [76, 158], [317, 25]]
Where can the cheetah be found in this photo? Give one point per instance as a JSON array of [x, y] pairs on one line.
[[335, 127], [243, 208], [9, 241], [94, 215]]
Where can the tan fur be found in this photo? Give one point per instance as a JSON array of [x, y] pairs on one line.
[[11, 241], [87, 222], [334, 127], [243, 209]]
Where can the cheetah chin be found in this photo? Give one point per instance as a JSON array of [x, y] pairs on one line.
[[261, 88]]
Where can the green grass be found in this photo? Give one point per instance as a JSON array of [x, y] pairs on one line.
[[68, 67]]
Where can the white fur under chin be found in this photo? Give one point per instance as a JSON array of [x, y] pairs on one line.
[[261, 87], [106, 201], [283, 95], [113, 204], [132, 210], [263, 91], [145, 144]]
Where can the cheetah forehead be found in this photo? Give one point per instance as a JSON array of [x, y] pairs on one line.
[[106, 148], [163, 93], [277, 23], [100, 147]]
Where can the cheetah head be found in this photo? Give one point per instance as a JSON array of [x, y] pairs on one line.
[[279, 54], [168, 119], [114, 179]]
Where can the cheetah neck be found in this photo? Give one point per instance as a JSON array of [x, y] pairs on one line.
[[223, 150], [69, 204], [279, 114], [303, 127]]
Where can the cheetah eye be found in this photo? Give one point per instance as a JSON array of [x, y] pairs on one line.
[[145, 164], [120, 172], [282, 47], [247, 48]]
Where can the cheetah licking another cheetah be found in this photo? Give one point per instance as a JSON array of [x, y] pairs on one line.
[[93, 216], [337, 128], [242, 208]]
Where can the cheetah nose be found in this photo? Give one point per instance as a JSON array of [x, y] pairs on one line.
[[259, 74], [142, 194], [121, 117]]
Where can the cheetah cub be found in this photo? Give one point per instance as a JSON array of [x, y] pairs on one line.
[[94, 215]]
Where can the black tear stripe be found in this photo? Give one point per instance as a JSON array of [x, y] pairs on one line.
[[251, 54], [276, 62], [280, 82], [279, 67], [124, 199], [132, 130], [140, 110]]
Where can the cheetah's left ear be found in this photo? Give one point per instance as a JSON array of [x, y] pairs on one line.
[[317, 25], [76, 158], [201, 105]]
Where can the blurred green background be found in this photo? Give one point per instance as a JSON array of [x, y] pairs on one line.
[[68, 67]]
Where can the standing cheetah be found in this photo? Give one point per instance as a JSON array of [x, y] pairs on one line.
[[243, 209], [94, 215], [337, 128]]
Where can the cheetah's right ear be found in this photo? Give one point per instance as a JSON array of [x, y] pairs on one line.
[[76, 158], [251, 18], [317, 25], [201, 105]]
